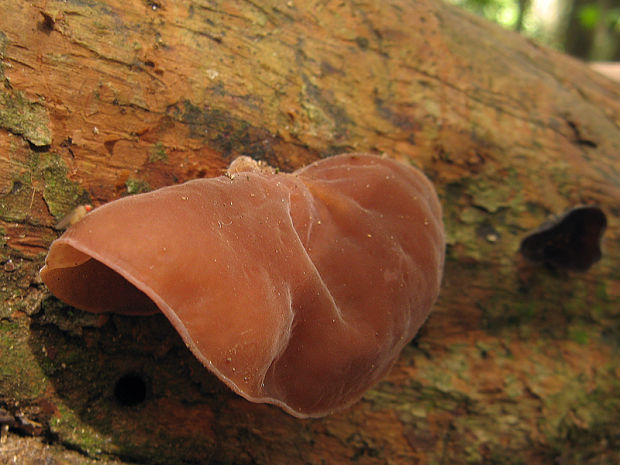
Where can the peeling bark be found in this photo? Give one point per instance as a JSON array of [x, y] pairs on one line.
[[517, 364]]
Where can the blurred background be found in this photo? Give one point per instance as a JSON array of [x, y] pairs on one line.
[[587, 29]]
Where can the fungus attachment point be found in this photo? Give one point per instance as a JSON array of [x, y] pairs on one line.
[[73, 216], [572, 242], [298, 290]]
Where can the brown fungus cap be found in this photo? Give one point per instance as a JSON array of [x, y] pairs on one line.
[[299, 289]]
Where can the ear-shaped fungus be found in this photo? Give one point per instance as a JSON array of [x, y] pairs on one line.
[[298, 289]]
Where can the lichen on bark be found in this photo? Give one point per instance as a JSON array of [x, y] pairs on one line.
[[517, 364], [24, 117]]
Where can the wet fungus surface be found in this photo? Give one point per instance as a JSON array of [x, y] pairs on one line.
[[298, 290]]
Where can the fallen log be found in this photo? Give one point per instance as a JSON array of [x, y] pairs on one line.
[[519, 361]]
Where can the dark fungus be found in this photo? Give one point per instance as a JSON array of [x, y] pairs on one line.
[[571, 242]]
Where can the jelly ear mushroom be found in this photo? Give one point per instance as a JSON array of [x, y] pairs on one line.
[[298, 290], [572, 242]]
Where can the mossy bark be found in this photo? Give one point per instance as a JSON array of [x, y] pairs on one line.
[[105, 99]]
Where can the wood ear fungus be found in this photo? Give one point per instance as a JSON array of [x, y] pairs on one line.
[[298, 290]]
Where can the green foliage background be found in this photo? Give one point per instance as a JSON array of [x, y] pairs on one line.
[[588, 29]]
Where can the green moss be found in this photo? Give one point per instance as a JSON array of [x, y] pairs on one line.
[[3, 42], [15, 206], [580, 419], [158, 153], [579, 335], [136, 186], [60, 194], [74, 431], [24, 117], [474, 232], [601, 291], [494, 195], [20, 375], [526, 310], [470, 215]]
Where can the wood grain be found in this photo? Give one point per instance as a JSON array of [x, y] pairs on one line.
[[517, 364]]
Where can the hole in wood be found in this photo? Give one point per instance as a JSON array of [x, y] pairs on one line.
[[130, 389], [571, 242]]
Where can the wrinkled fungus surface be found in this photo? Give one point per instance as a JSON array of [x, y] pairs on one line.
[[298, 289]]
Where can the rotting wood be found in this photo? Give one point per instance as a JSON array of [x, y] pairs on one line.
[[104, 99]]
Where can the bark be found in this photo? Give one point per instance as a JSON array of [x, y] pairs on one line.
[[517, 364]]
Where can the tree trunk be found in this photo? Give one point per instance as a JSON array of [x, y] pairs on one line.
[[517, 364], [524, 6]]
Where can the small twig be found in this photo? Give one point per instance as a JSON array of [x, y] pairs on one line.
[[34, 189]]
